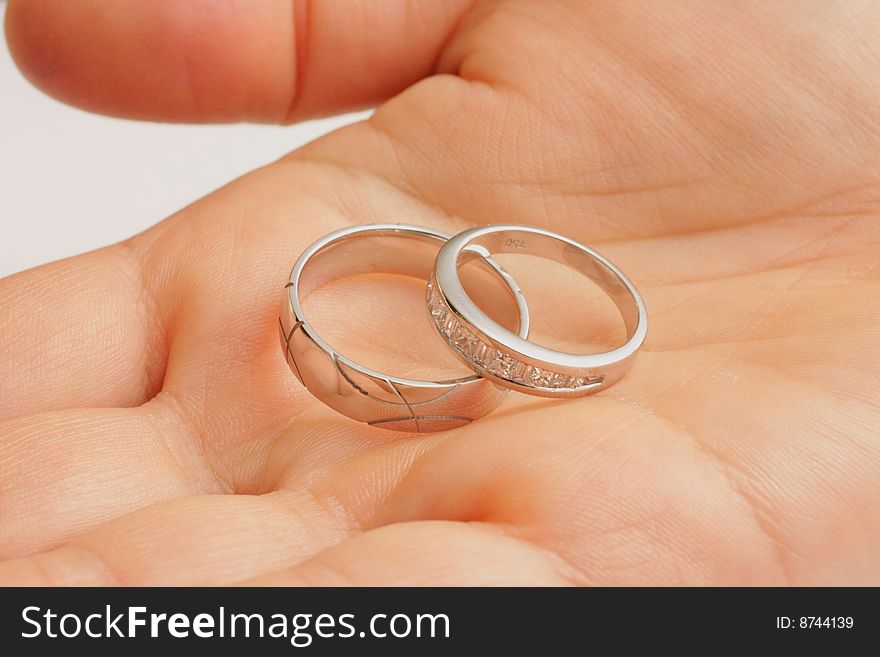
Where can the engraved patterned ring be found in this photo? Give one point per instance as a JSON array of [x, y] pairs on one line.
[[364, 394], [511, 360]]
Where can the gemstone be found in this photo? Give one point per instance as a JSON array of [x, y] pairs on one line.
[[450, 324], [462, 339], [477, 352], [493, 361], [459, 336], [538, 377], [556, 380], [508, 366], [471, 347], [524, 375]]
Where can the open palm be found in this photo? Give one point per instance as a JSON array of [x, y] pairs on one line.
[[727, 157]]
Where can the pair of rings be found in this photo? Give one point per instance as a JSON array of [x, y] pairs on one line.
[[501, 359]]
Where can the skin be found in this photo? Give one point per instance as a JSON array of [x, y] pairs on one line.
[[725, 155]]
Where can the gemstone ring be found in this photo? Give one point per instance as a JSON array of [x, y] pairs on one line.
[[512, 360]]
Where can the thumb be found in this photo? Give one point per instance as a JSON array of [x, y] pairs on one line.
[[204, 60]]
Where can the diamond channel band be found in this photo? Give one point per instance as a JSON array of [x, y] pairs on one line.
[[486, 357]]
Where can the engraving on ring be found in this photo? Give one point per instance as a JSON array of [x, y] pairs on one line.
[[515, 243], [402, 409]]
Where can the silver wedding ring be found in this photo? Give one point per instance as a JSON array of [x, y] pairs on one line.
[[500, 358], [362, 393]]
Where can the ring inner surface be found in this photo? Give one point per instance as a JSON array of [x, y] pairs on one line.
[[386, 252], [544, 246], [407, 254]]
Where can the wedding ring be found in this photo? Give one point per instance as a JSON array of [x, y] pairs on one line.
[[364, 394], [511, 360]]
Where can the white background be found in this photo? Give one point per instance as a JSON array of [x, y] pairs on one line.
[[72, 181]]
